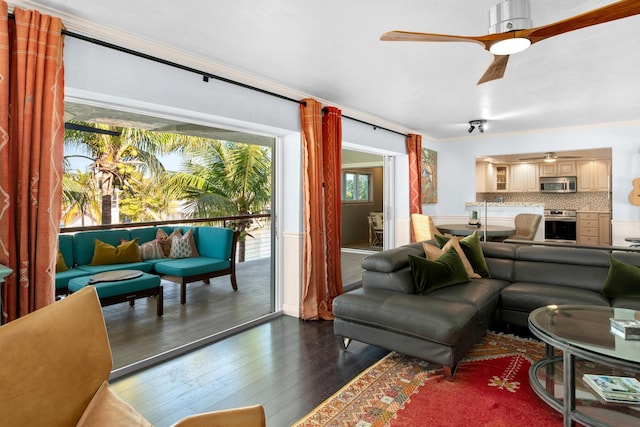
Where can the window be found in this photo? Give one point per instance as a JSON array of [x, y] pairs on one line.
[[356, 187]]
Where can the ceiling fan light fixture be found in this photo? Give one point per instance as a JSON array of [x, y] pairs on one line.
[[510, 46], [550, 157]]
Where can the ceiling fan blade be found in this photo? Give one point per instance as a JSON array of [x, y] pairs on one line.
[[409, 36], [531, 158], [611, 12], [496, 69]]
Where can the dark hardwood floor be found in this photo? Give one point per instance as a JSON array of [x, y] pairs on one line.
[[288, 365]]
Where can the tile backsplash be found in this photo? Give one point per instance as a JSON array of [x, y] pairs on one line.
[[592, 201]]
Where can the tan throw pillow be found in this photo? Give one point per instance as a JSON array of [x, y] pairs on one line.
[[165, 240], [107, 409], [432, 252], [152, 250]]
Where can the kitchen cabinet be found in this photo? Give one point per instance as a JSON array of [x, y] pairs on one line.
[[524, 177], [565, 168], [594, 175], [484, 178], [502, 178], [593, 228], [491, 178]]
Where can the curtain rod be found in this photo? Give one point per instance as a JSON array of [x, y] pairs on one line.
[[205, 75]]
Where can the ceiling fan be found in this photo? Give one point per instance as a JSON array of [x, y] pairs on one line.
[[551, 156], [510, 30]]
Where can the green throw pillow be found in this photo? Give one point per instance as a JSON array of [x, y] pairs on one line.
[[431, 275], [623, 280], [472, 249]]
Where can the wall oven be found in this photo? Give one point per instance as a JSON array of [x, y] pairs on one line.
[[560, 225]]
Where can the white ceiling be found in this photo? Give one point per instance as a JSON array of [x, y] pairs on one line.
[[331, 50]]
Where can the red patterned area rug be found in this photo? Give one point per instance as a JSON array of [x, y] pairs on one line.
[[490, 388]]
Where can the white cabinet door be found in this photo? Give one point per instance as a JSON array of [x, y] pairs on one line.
[[524, 177]]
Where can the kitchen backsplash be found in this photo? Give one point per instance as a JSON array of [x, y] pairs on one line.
[[596, 201]]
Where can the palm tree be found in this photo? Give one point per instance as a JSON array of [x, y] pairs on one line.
[[225, 178], [114, 159], [79, 197], [147, 200]]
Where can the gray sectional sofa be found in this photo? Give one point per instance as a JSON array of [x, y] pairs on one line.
[[442, 325]]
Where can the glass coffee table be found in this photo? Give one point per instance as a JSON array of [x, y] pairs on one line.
[[586, 346]]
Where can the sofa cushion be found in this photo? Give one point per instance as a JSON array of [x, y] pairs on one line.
[[107, 409], [483, 294], [623, 280], [429, 275], [190, 266], [418, 316], [95, 269], [527, 296], [166, 239], [214, 242], [65, 245], [106, 254], [63, 277]]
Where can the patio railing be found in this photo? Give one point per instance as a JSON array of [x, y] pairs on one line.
[[257, 242]]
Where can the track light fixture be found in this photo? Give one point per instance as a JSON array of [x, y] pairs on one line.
[[477, 123]]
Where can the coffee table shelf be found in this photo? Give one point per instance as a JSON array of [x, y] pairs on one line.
[[582, 335]]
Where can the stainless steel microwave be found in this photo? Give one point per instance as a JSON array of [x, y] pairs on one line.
[[558, 184]]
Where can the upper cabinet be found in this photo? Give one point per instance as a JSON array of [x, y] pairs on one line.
[[502, 178], [594, 175], [484, 178], [565, 168], [524, 177], [491, 178]]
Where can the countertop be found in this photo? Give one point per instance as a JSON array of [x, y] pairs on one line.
[[506, 204]]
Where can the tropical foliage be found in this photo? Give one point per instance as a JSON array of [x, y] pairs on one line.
[[118, 162], [225, 179]]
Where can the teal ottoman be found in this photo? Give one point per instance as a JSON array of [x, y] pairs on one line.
[[121, 286]]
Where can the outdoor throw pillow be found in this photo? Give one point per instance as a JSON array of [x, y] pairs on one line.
[[165, 239], [151, 250], [472, 249], [60, 264], [430, 275], [623, 280], [183, 246], [105, 253]]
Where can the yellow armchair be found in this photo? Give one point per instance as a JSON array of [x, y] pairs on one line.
[[54, 367]]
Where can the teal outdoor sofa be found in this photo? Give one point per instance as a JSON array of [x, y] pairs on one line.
[[216, 247]]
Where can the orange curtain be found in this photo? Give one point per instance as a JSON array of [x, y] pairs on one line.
[[31, 151], [414, 149], [321, 269], [332, 170]]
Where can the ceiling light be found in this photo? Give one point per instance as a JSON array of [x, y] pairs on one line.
[[480, 124], [550, 157], [510, 16], [510, 46]]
